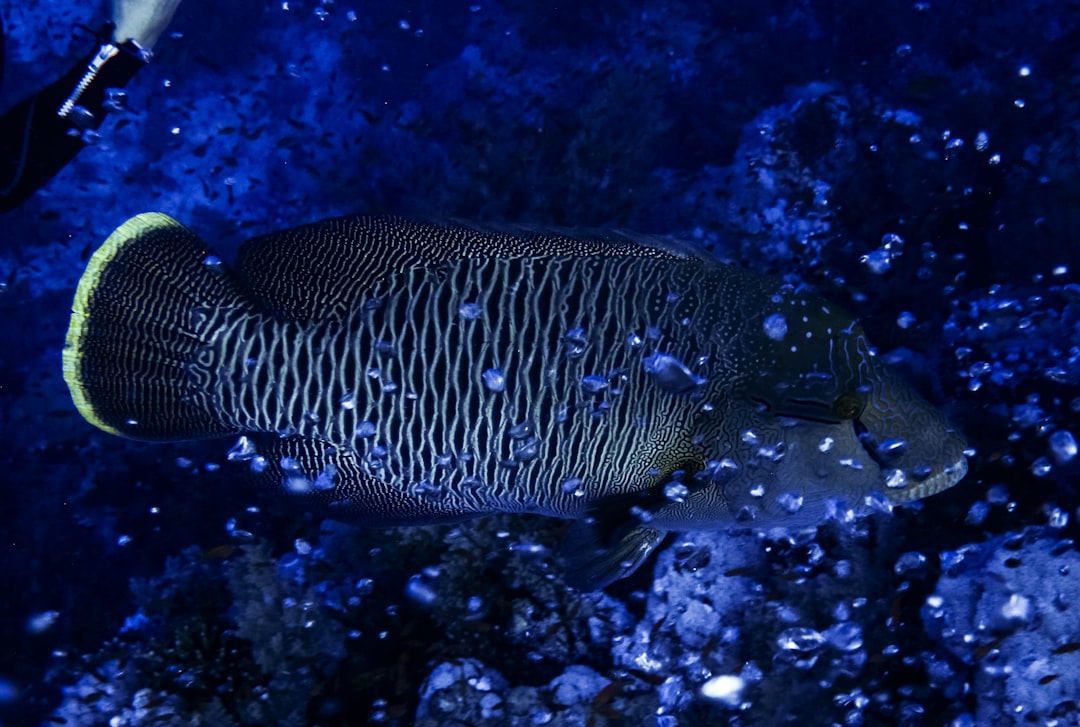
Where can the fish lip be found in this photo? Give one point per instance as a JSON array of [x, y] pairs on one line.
[[940, 481], [949, 475]]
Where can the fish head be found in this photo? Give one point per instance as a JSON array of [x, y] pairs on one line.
[[819, 427], [825, 372]]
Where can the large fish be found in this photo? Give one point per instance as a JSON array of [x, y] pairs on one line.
[[405, 372]]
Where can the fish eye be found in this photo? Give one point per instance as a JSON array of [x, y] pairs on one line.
[[848, 405]]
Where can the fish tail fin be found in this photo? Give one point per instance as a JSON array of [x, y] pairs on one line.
[[138, 325]]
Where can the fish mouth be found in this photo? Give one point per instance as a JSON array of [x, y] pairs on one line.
[[940, 481], [934, 483]]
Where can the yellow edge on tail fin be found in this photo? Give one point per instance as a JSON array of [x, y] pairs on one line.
[[129, 230]]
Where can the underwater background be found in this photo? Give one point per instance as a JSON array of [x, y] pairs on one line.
[[914, 161]]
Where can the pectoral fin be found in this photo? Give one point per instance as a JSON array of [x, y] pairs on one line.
[[592, 563]]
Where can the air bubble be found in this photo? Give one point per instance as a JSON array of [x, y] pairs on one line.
[[879, 502], [800, 639], [527, 451], [1063, 446], [726, 467], [896, 479], [844, 636], [892, 243], [242, 451], [1041, 467], [420, 591], [475, 608], [81, 117], [470, 311], [428, 490], [676, 491], [576, 341], [572, 486], [41, 622], [529, 548], [494, 380], [296, 484], [790, 501], [773, 453], [522, 430], [594, 384], [909, 562], [726, 689], [892, 448], [325, 479], [1017, 608], [671, 374], [776, 327], [878, 262]]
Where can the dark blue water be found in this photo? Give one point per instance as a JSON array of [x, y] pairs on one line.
[[917, 162]]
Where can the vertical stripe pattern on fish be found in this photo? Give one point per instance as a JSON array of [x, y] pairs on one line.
[[398, 371]]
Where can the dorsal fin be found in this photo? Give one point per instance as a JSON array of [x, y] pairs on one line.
[[320, 270]]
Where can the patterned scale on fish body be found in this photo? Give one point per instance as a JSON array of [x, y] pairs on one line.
[[399, 371]]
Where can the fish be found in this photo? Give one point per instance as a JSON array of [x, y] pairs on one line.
[[393, 371]]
